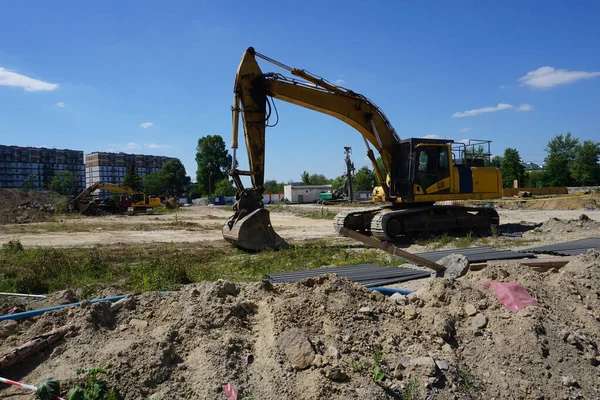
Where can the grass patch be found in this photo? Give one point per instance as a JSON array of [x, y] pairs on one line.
[[411, 391], [461, 242], [322, 213], [158, 266], [466, 381]]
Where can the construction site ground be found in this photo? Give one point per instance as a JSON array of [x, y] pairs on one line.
[[319, 338]]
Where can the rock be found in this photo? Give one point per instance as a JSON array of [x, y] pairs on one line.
[[99, 314], [410, 312], [569, 381], [470, 310], [398, 298], [297, 348], [336, 374], [480, 321], [444, 327], [138, 324], [592, 360], [422, 366], [332, 352], [456, 265], [8, 327], [66, 297], [223, 288], [319, 361], [365, 311], [127, 302], [441, 364]]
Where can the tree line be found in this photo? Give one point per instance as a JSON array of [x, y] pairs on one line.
[[568, 162]]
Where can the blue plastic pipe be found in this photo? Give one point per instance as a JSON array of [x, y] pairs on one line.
[[390, 291], [35, 313]]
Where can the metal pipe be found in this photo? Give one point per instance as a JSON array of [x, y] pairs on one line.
[[35, 313], [37, 296], [391, 291], [376, 134]]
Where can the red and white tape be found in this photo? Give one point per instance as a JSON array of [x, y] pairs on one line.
[[24, 386]]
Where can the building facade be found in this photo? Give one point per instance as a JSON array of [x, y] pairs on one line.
[[112, 167], [302, 194], [38, 165]]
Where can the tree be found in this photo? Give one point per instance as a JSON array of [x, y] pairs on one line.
[[314, 179], [196, 191], [536, 179], [272, 187], [29, 183], [132, 179], [63, 183], [382, 168], [224, 188], [171, 179], [213, 161], [305, 178], [496, 162], [154, 183], [365, 179], [176, 179], [584, 169], [561, 154], [338, 182], [512, 168]]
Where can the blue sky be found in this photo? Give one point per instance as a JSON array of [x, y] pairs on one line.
[[89, 75]]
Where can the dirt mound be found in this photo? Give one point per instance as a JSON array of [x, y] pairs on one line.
[[551, 203], [330, 338], [556, 225], [18, 207]]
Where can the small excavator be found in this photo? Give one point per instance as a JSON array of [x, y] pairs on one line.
[[133, 202], [421, 177]]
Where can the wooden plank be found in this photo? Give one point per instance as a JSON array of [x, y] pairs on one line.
[[393, 250], [537, 264]]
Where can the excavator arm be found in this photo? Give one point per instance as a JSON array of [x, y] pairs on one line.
[[252, 91], [250, 226]]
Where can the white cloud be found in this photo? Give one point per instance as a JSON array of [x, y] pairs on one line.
[[137, 146], [477, 111], [10, 78], [157, 146], [431, 136], [465, 129], [547, 77], [465, 141], [525, 107], [60, 104], [146, 125], [504, 86], [339, 82]]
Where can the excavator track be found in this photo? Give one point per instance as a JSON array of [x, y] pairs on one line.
[[359, 220], [389, 224]]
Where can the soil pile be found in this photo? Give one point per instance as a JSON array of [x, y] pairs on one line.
[[18, 207], [330, 338], [583, 223]]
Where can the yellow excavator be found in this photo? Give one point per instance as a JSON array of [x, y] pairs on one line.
[[421, 177], [133, 202]]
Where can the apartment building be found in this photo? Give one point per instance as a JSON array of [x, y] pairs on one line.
[[19, 163], [111, 167]]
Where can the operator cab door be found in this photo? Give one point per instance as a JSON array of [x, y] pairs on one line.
[[432, 169]]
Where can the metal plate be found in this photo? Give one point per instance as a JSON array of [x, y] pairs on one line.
[[369, 275], [476, 254], [572, 248]]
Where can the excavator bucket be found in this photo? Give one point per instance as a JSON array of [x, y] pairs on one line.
[[253, 232]]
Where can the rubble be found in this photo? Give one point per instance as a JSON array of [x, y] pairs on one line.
[[308, 339]]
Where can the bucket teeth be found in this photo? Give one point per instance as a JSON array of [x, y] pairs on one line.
[[254, 232]]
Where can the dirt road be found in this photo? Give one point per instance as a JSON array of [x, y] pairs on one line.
[[197, 224]]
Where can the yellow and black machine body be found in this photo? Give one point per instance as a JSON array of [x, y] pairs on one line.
[[421, 177], [132, 202]]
